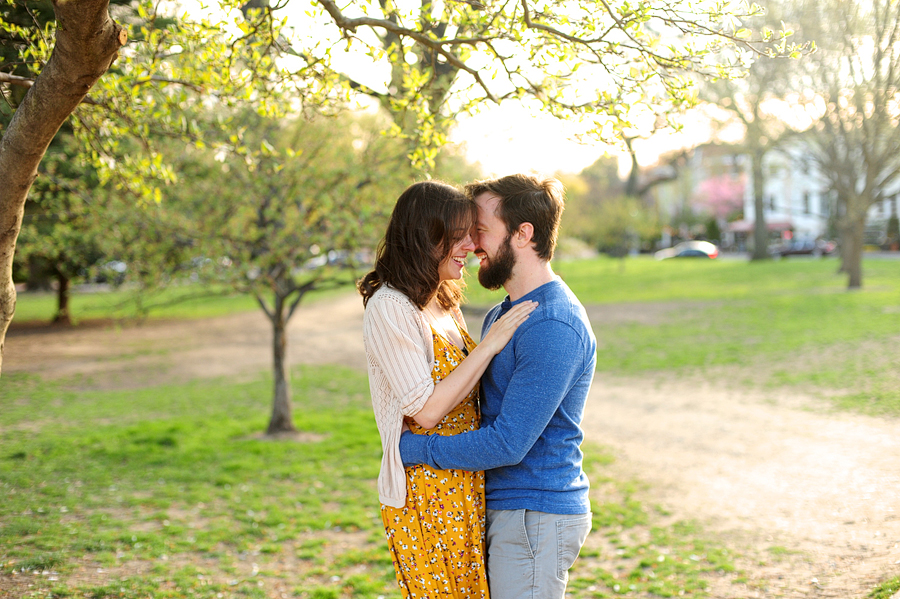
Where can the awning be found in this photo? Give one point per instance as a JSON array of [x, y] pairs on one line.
[[746, 226]]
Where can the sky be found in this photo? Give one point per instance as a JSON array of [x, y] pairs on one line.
[[508, 139]]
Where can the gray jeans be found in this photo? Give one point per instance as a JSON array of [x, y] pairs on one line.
[[529, 553]]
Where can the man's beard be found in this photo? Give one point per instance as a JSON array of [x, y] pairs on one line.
[[499, 268]]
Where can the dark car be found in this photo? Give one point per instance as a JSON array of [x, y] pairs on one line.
[[689, 249], [803, 247]]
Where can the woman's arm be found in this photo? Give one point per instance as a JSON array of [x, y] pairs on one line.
[[456, 386]]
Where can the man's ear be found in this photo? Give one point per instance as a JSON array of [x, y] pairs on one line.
[[523, 235]]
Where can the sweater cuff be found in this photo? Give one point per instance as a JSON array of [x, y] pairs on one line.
[[413, 449]]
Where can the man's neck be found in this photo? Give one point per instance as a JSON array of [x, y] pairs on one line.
[[528, 276]]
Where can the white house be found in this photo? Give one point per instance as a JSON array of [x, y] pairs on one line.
[[797, 201]]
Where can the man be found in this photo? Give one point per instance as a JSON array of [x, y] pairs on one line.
[[534, 391]]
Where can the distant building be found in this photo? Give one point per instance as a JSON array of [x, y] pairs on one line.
[[715, 181], [797, 201], [689, 188]]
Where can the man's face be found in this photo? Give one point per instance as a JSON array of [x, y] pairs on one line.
[[494, 250]]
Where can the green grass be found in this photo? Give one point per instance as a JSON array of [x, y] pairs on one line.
[[886, 590], [180, 302], [173, 474], [635, 550], [604, 280], [788, 323], [171, 478], [169, 492]]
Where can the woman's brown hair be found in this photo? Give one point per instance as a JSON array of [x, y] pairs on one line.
[[428, 219]]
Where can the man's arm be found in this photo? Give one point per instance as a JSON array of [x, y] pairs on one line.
[[545, 371]]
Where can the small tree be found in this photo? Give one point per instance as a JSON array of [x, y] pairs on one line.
[[296, 214], [584, 194], [62, 231], [713, 232], [722, 195], [623, 224], [757, 101]]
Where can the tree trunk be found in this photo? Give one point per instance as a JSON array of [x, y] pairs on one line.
[[841, 224], [853, 233], [631, 184], [282, 418], [760, 231], [62, 300], [87, 41]]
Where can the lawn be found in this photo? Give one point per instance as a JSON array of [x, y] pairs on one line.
[[787, 323], [178, 302], [168, 491]]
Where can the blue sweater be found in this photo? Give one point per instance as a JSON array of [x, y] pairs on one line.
[[533, 399]]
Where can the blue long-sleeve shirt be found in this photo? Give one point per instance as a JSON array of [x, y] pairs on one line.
[[533, 399]]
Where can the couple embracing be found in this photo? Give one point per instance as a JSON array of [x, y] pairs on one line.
[[481, 486]]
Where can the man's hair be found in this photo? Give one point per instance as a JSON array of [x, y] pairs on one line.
[[428, 219], [527, 199]]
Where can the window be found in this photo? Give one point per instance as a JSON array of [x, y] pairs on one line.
[[806, 203]]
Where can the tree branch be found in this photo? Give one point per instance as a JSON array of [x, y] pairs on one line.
[[346, 24], [264, 306], [300, 291], [16, 80], [26, 82]]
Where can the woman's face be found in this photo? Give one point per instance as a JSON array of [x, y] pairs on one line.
[[452, 265]]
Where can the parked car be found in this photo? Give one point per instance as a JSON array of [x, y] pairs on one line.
[[803, 247], [689, 249]]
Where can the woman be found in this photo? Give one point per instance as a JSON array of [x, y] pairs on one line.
[[424, 371]]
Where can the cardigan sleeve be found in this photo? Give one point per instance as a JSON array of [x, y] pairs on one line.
[[397, 344]]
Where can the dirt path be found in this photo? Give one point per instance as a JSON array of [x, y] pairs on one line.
[[766, 470], [110, 356]]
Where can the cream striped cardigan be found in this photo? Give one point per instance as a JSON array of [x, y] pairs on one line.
[[400, 357]]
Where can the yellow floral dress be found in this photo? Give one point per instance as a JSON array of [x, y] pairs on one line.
[[437, 538]]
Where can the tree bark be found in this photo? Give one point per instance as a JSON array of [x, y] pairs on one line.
[[282, 418], [843, 237], [631, 184], [62, 300], [87, 42], [760, 231], [852, 235]]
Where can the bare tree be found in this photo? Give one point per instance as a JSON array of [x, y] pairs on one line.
[[748, 99], [856, 140]]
